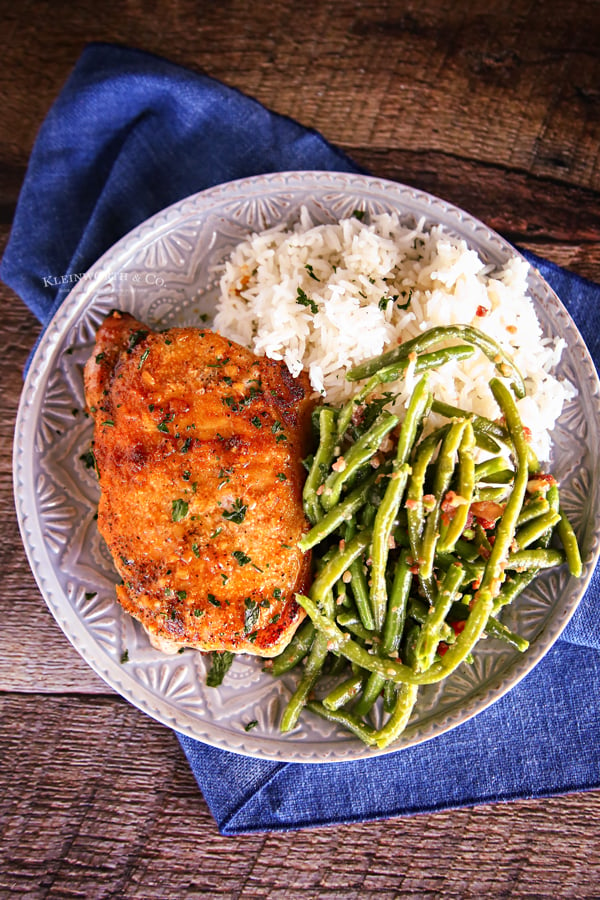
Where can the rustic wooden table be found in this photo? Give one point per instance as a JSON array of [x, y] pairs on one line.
[[495, 107]]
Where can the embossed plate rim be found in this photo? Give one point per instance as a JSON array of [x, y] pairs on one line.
[[81, 300]]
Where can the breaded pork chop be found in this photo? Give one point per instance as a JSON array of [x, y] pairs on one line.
[[198, 446]]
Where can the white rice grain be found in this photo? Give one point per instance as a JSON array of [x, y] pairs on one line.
[[328, 297]]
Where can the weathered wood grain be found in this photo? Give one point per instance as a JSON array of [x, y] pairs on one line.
[[495, 107], [104, 796]]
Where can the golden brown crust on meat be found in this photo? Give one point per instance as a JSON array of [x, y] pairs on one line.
[[198, 445]]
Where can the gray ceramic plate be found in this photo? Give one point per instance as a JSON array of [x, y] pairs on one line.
[[163, 273]]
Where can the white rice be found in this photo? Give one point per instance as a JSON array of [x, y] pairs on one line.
[[340, 272]]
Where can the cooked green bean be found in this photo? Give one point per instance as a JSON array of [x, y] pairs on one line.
[[418, 610], [351, 622], [312, 671], [491, 467], [479, 423], [397, 722], [380, 547], [535, 507], [359, 454], [296, 650], [535, 528], [344, 692], [503, 363], [360, 592], [392, 669], [498, 494], [358, 583], [396, 610], [497, 629], [568, 539], [341, 513], [485, 442], [444, 470], [430, 635], [493, 575], [419, 404], [534, 559], [347, 719], [337, 565], [370, 694], [390, 693], [514, 585], [320, 464], [465, 489], [414, 494], [392, 373], [435, 581]]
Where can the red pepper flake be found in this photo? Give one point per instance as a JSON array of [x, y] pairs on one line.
[[481, 311]]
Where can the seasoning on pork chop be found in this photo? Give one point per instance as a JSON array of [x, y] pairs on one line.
[[198, 445]]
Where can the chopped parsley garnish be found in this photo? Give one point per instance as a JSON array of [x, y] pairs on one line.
[[196, 550], [250, 725], [358, 214], [179, 510], [88, 459], [125, 656], [241, 557], [216, 533], [255, 420], [143, 357], [282, 476], [212, 599], [89, 595], [108, 422], [311, 272], [135, 338], [251, 614], [162, 426], [304, 300], [277, 593], [221, 663], [276, 427], [181, 595], [224, 476], [220, 362], [186, 445], [99, 357], [198, 613], [405, 305], [236, 513]]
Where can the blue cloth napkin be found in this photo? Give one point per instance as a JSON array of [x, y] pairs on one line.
[[130, 134]]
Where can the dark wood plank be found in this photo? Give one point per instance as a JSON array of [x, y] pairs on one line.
[[494, 107], [100, 803]]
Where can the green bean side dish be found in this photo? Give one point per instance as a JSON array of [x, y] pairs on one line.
[[416, 546]]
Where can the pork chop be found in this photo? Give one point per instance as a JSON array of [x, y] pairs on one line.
[[198, 446]]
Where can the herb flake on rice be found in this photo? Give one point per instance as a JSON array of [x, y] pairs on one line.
[[327, 297]]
